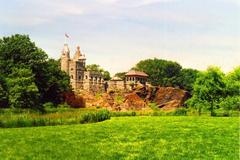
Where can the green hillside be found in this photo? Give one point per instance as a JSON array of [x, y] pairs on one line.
[[127, 138]]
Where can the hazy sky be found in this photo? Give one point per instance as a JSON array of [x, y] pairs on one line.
[[118, 33]]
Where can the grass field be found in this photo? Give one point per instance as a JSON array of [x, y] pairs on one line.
[[127, 138]]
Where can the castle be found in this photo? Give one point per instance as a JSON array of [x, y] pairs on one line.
[[82, 79]]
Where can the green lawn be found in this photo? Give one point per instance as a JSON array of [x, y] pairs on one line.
[[127, 138]]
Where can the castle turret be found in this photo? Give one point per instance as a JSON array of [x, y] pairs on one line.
[[79, 57], [78, 54], [65, 58]]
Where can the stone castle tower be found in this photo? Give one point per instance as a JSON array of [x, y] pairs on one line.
[[80, 78]]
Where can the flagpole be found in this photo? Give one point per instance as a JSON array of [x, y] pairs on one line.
[[66, 36]]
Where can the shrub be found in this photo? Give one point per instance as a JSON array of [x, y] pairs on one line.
[[134, 113], [48, 105], [153, 106], [95, 117], [180, 112], [122, 114], [118, 100], [158, 113]]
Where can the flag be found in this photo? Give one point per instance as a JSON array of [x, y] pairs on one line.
[[66, 35]]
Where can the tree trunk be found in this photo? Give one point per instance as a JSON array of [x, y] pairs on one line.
[[212, 111]]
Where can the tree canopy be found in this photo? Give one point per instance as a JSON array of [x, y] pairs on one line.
[[24, 64], [208, 90], [161, 72], [120, 75], [167, 73], [97, 68]]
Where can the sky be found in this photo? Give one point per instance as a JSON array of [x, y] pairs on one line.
[[116, 34]]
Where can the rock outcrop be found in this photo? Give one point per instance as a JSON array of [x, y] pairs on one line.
[[169, 98], [166, 98]]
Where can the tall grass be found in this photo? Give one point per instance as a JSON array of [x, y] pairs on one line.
[[51, 119]]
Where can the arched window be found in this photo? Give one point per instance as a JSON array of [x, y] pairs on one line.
[[79, 77], [71, 76], [86, 77]]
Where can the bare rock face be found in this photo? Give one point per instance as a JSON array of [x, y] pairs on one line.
[[169, 98], [134, 102]]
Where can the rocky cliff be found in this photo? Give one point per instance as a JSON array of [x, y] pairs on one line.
[[165, 98]]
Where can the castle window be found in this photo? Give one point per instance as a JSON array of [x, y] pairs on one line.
[[86, 77], [79, 77], [71, 76], [71, 69]]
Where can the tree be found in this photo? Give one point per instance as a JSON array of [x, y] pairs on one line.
[[161, 72], [23, 92], [52, 82], [208, 90], [232, 93], [3, 93], [18, 51], [106, 75], [233, 82], [120, 75], [97, 68], [187, 78]]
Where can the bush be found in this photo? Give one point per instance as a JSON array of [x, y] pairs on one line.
[[95, 117], [48, 105], [153, 106], [119, 100], [180, 112], [158, 113], [123, 114], [72, 116]]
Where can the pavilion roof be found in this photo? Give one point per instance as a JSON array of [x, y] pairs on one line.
[[136, 73]]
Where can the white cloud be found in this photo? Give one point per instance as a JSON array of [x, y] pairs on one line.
[[107, 1], [148, 2], [32, 13]]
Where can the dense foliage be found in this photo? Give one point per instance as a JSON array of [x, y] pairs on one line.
[[27, 75], [97, 68], [167, 73], [213, 89], [186, 79], [120, 75], [59, 116]]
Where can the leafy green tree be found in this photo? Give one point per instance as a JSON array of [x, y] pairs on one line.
[[232, 99], [106, 75], [161, 72], [94, 67], [18, 51], [3, 93], [230, 103], [187, 78], [208, 90], [52, 82], [97, 68], [120, 75], [23, 92], [233, 82]]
